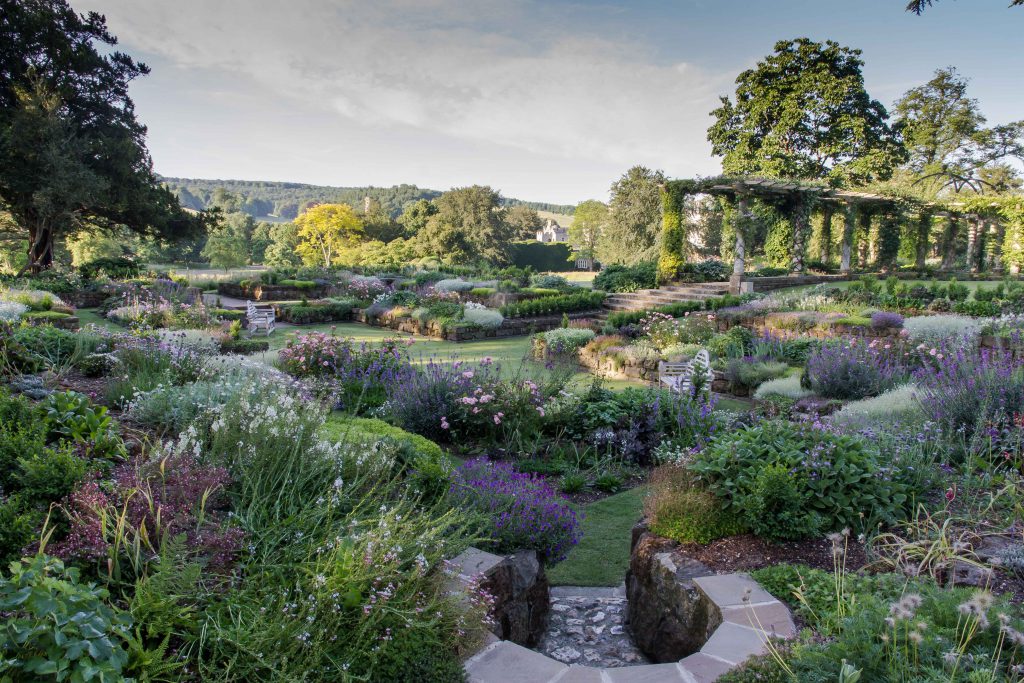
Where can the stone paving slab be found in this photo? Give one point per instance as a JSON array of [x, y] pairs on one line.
[[648, 673], [474, 562], [510, 663], [596, 592], [581, 674], [726, 590], [704, 668], [772, 618], [734, 643]]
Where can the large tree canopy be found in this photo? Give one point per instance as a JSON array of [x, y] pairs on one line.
[[469, 225], [72, 153], [946, 137], [803, 112], [633, 227]]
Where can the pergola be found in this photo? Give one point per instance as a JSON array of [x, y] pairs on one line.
[[798, 200]]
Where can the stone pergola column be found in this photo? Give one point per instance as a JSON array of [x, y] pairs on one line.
[[996, 248], [847, 249], [739, 261], [976, 226]]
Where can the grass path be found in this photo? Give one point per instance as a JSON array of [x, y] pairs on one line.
[[602, 556]]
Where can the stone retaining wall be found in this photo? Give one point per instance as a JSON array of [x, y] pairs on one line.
[[732, 618]]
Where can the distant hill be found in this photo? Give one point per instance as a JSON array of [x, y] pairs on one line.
[[284, 201]]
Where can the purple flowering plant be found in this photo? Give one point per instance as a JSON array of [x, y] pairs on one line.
[[524, 510]]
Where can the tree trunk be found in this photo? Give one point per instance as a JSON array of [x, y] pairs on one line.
[[40, 248], [924, 227], [848, 217]]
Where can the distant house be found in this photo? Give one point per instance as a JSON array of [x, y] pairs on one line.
[[553, 232]]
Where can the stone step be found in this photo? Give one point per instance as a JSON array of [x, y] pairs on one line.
[[750, 615]]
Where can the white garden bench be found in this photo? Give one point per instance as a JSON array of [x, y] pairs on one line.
[[259, 317], [679, 377]]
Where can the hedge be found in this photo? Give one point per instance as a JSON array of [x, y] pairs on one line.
[[304, 314], [564, 303], [542, 256], [243, 347]]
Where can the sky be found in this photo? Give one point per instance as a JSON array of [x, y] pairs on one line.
[[544, 100]]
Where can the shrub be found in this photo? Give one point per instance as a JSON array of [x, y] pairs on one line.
[[788, 387], [305, 314], [298, 284], [851, 371], [74, 418], [816, 479], [18, 523], [882, 320], [549, 282], [934, 329], [619, 278], [411, 447], [684, 512], [50, 475], [567, 339], [564, 303], [525, 511], [57, 628], [898, 406], [973, 395], [751, 373], [977, 309], [482, 291], [853, 321], [487, 318], [573, 482], [11, 311], [454, 285], [956, 291], [243, 347]]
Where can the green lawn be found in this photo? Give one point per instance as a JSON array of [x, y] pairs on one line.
[[602, 556], [89, 316]]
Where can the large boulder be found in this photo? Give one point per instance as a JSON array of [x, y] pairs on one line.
[[670, 617], [521, 598]]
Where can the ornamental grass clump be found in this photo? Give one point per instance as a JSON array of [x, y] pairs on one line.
[[853, 371], [525, 512]]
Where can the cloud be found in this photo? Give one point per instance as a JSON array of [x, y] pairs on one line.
[[514, 73]]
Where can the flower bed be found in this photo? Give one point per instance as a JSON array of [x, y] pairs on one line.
[[440, 330], [258, 291]]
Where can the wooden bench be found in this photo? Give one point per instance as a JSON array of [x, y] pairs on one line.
[[683, 378], [259, 317]]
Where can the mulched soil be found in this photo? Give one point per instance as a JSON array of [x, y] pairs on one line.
[[747, 552]]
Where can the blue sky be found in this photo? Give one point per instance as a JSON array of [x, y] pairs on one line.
[[549, 101]]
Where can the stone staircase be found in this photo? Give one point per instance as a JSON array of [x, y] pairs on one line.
[[652, 298]]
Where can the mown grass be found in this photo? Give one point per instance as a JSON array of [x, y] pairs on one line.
[[602, 556]]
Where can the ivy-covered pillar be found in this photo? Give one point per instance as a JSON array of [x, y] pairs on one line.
[[995, 262], [949, 239], [800, 215], [847, 249], [673, 239], [924, 229], [888, 240], [825, 238], [975, 230], [863, 235]]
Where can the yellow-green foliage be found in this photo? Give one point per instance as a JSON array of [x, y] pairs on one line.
[[673, 240], [340, 427]]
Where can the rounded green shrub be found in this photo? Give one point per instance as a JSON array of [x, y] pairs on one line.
[[830, 480]]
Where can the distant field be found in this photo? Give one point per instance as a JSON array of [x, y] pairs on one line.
[[562, 219]]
